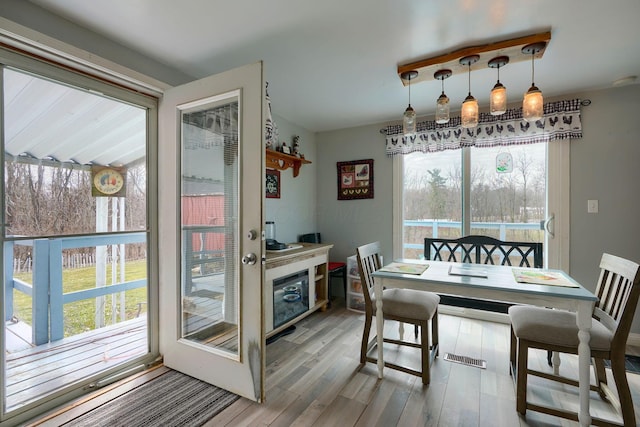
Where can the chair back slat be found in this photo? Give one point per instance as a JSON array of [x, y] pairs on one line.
[[618, 290], [368, 262], [484, 250]]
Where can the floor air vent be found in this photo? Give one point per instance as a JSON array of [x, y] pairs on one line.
[[470, 361]]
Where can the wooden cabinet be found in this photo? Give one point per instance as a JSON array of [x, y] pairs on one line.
[[304, 257]]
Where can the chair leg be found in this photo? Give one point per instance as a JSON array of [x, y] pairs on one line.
[[626, 402], [415, 331], [435, 339], [521, 377], [365, 338], [344, 282], [601, 376], [426, 356], [512, 351]]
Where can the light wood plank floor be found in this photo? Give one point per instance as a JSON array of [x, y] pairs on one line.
[[314, 379]]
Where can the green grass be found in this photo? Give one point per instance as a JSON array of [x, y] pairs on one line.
[[79, 316]]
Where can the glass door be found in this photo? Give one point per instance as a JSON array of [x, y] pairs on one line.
[[76, 263], [512, 193], [211, 180]]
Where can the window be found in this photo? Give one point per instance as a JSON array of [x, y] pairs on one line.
[[506, 188]]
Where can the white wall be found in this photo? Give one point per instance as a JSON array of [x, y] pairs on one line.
[[351, 223], [295, 211], [604, 166]]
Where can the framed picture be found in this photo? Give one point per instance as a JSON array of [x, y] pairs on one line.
[[355, 179], [272, 187]]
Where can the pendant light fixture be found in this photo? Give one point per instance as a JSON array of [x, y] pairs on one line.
[[498, 97], [442, 106], [409, 117], [532, 105], [469, 112]]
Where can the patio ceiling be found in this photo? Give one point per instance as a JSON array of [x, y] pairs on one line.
[[50, 122]]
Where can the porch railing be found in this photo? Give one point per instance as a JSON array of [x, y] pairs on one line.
[[46, 290], [437, 225]]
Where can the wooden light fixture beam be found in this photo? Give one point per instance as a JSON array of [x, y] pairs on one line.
[[511, 48]]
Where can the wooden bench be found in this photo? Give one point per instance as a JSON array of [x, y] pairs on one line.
[[476, 249]]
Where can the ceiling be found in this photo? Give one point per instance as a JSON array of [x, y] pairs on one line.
[[332, 64]]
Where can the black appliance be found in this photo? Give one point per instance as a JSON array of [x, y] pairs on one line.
[[290, 297]]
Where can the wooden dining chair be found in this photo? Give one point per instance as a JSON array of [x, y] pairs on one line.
[[402, 305], [617, 290]]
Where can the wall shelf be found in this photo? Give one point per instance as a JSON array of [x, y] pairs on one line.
[[282, 161]]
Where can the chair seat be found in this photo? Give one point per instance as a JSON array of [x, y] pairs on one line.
[[334, 266], [409, 303], [555, 327]]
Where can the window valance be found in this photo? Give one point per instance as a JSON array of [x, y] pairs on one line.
[[561, 121]]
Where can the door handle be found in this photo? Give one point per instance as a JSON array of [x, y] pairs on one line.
[[547, 227], [249, 259]]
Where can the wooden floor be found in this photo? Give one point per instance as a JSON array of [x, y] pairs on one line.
[[314, 379], [35, 371]]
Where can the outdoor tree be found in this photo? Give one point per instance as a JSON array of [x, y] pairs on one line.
[[437, 193]]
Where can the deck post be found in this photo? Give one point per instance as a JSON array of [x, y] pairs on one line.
[[40, 297], [56, 302], [8, 280]]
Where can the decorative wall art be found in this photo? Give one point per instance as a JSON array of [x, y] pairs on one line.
[[355, 179], [272, 187]]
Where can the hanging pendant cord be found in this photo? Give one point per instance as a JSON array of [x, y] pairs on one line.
[[469, 78], [533, 66]]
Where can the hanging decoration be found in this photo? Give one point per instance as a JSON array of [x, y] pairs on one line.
[[270, 138], [504, 163]]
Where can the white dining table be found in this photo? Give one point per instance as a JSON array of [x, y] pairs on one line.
[[499, 284]]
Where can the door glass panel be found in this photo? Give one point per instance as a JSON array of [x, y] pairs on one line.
[[209, 221], [508, 192], [75, 281], [432, 198]]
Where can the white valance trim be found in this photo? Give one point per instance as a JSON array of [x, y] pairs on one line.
[[561, 120]]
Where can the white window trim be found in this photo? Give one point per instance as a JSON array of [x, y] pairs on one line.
[[43, 46]]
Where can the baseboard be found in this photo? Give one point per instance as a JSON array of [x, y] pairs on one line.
[[471, 313], [633, 340]]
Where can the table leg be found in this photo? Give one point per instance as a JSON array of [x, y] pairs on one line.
[[377, 285], [584, 359], [556, 363]]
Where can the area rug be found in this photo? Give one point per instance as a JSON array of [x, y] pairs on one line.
[[170, 400]]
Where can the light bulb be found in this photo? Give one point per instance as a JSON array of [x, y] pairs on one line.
[[442, 109], [409, 121], [469, 113], [498, 100], [532, 105]]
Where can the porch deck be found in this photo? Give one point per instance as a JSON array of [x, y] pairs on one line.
[[35, 371]]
